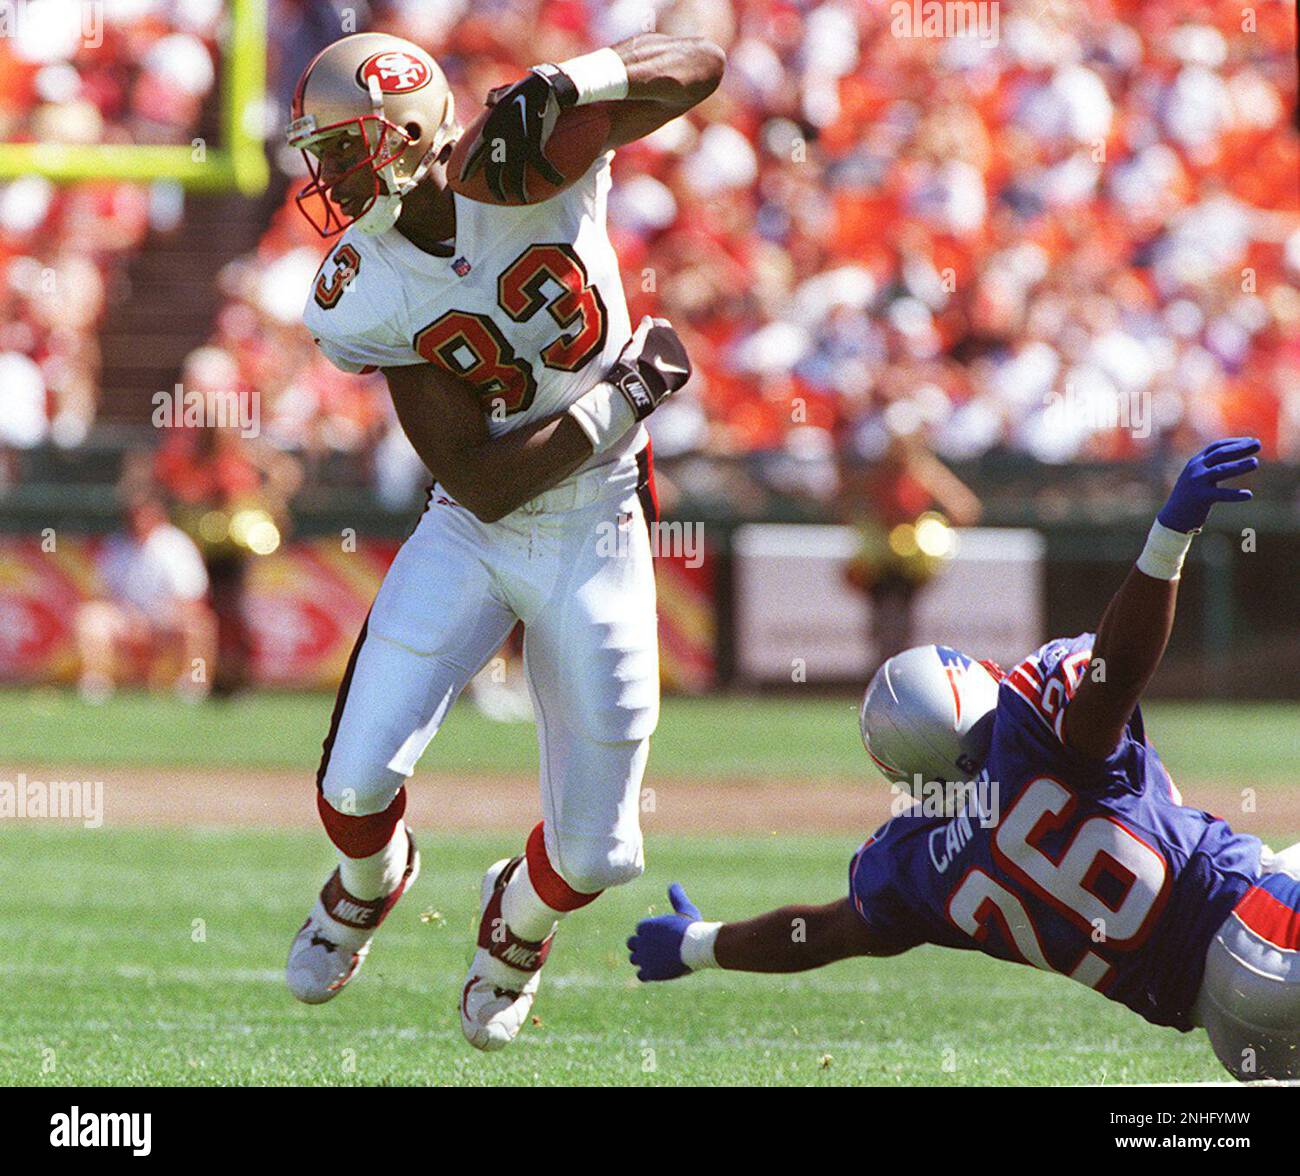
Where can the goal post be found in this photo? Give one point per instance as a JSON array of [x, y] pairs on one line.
[[238, 163]]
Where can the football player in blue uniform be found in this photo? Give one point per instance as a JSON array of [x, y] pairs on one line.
[[1068, 846]]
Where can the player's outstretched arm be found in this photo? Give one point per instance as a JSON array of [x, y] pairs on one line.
[[442, 416], [796, 938], [1135, 628], [790, 939]]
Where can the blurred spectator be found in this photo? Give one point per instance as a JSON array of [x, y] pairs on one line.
[[903, 508], [1076, 239], [116, 73], [23, 423], [232, 495], [155, 610], [72, 74], [1036, 243]]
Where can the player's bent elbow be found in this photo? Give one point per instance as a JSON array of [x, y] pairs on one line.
[[713, 63], [484, 505], [846, 936], [486, 511]]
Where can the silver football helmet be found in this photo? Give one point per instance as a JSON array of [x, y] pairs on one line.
[[929, 711], [391, 96]]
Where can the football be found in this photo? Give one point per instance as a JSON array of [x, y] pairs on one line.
[[576, 142]]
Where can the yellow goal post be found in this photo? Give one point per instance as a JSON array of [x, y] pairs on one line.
[[237, 163]]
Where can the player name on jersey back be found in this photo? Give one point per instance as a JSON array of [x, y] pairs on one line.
[[1091, 868]]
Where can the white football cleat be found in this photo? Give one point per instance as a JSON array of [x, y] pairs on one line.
[[503, 978], [331, 945]]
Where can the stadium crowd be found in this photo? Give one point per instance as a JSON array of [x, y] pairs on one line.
[[1077, 238], [121, 72]]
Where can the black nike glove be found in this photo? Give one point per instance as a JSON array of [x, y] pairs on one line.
[[652, 366], [515, 133]]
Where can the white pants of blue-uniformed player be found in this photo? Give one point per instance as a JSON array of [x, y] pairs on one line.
[[575, 566], [1249, 1003]]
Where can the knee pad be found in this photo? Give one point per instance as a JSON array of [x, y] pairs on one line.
[[352, 776], [358, 789], [592, 864]]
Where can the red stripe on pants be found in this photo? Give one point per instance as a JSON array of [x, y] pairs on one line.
[[645, 490], [1270, 918], [340, 701]]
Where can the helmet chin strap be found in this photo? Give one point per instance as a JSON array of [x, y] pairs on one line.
[[387, 206], [380, 216]]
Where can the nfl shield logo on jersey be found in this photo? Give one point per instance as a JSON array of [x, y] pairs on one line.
[[461, 266]]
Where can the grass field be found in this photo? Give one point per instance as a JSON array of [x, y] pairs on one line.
[[781, 736], [105, 972], [154, 955]]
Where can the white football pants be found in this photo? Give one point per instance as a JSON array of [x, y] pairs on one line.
[[575, 566]]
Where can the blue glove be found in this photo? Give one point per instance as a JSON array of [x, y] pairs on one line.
[[1198, 489], [656, 948]]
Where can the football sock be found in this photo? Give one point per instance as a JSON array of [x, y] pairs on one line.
[[377, 875], [523, 910]]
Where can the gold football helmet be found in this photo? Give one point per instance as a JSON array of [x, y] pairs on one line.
[[392, 94]]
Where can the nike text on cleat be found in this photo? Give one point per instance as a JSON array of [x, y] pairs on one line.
[[330, 947], [498, 992]]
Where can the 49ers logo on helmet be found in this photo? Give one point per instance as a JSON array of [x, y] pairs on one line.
[[395, 71]]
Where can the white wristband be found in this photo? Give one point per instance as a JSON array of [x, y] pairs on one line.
[[604, 414], [598, 77], [1162, 557], [698, 944]]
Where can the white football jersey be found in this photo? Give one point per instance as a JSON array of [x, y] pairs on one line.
[[529, 308]]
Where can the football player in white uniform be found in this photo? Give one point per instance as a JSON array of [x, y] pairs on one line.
[[504, 336]]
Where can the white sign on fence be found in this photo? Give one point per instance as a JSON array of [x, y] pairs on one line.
[[795, 612]]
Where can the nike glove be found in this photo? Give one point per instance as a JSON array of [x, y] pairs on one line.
[[652, 366], [523, 116]]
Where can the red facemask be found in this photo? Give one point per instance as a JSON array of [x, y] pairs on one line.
[[314, 200]]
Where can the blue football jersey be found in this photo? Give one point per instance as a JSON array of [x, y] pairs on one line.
[[1092, 868]]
